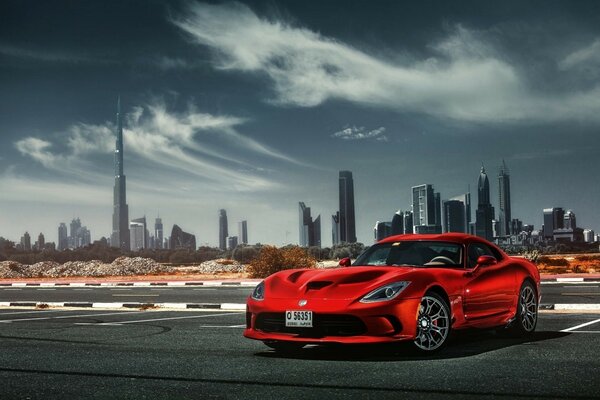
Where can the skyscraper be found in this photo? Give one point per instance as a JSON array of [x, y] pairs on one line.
[[465, 199], [120, 235], [158, 233], [553, 219], [485, 211], [26, 241], [63, 241], [181, 239], [309, 230], [243, 231], [397, 227], [335, 228], [347, 216], [426, 216], [454, 216], [504, 200], [137, 235], [223, 231], [145, 233]]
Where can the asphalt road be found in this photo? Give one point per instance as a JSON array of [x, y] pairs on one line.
[[551, 294], [48, 354]]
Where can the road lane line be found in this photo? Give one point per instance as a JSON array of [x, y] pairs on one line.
[[11, 289], [68, 316], [204, 289], [135, 295], [580, 294], [167, 319], [580, 326], [31, 312]]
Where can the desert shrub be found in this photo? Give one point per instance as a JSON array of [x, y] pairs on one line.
[[181, 257], [553, 262], [245, 254], [271, 260]]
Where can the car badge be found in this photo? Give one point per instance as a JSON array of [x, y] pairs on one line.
[[302, 303]]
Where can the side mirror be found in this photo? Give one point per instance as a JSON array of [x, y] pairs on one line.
[[482, 261], [345, 262]]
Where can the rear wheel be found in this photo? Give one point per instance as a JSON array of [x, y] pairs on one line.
[[433, 323], [284, 347], [527, 310]]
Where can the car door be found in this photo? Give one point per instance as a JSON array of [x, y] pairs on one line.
[[489, 290]]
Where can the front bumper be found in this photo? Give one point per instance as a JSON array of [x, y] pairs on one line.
[[335, 321]]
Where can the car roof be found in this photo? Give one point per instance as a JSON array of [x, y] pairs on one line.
[[442, 237]]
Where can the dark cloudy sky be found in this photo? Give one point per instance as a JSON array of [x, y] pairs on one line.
[[254, 106]]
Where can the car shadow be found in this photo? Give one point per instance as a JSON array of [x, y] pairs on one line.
[[463, 344]]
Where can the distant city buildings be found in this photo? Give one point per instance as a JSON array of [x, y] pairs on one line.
[[223, 229], [453, 212], [181, 239], [26, 241], [310, 231], [80, 236], [553, 219], [232, 242], [382, 230]]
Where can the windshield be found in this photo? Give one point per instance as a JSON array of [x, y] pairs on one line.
[[419, 253]]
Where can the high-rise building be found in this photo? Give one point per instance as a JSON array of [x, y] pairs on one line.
[[309, 230], [243, 232], [335, 228], [504, 215], [41, 242], [63, 237], [382, 230], [158, 233], [408, 222], [26, 241], [347, 214], [398, 223], [223, 230], [553, 219], [466, 200], [137, 235], [120, 235], [569, 221], [454, 216], [485, 211], [181, 239], [588, 236], [145, 233], [425, 208], [232, 242]]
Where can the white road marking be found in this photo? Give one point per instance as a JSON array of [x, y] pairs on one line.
[[135, 295], [31, 312], [204, 289], [164, 319], [11, 289], [571, 329], [46, 289], [84, 289], [161, 290], [69, 316], [119, 289]]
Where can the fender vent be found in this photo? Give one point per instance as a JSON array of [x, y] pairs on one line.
[[316, 285]]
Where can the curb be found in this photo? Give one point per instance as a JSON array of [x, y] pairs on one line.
[[570, 307], [144, 284], [203, 306], [569, 280]]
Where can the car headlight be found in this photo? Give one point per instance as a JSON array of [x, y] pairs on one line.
[[259, 291], [385, 293]]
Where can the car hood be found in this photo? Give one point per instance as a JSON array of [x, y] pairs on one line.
[[337, 283]]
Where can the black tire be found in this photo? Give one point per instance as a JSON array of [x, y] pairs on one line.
[[433, 324], [284, 347], [527, 311]]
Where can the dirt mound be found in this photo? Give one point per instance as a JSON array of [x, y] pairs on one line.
[[122, 266]]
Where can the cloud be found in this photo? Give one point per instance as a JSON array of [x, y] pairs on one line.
[[586, 56], [463, 79], [39, 150], [360, 133], [188, 143]]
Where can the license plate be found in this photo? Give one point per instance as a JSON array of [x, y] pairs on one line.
[[300, 319]]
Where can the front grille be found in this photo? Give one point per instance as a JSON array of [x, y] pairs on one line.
[[323, 325]]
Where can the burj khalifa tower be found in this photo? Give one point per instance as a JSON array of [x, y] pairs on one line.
[[120, 233]]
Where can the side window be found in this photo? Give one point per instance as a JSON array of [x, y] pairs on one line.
[[477, 250]]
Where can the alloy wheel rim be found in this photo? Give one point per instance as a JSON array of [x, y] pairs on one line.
[[528, 308], [433, 324]]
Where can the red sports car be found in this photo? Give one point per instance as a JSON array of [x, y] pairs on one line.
[[404, 288]]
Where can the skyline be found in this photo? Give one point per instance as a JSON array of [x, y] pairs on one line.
[[262, 116]]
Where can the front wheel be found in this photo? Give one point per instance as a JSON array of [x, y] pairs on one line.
[[527, 310], [433, 323]]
